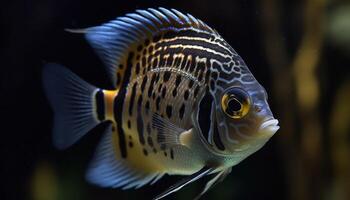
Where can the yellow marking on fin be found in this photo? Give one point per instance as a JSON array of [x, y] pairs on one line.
[[186, 137], [109, 96]]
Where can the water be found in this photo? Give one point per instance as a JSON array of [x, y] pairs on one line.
[[306, 159]]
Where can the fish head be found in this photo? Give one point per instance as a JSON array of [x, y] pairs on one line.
[[247, 122]]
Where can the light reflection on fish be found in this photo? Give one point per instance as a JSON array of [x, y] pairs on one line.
[[184, 102]]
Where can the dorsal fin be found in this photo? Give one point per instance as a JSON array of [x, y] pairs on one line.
[[112, 40]]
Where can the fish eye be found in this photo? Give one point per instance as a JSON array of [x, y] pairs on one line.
[[235, 103]]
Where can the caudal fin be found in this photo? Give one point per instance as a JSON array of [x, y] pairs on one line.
[[72, 100]]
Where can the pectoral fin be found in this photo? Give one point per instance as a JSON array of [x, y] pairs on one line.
[[169, 134]]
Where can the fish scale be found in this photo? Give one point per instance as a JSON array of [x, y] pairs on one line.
[[167, 101], [155, 56]]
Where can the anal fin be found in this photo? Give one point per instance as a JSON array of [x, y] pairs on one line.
[[107, 170]]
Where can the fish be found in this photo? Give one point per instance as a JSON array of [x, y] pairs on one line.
[[183, 102]]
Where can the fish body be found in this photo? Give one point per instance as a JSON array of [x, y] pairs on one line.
[[183, 102]]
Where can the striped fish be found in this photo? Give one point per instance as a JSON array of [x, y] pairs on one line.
[[183, 102]]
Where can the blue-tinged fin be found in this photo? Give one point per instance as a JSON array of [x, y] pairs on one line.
[[106, 170], [72, 100], [114, 39], [201, 173]]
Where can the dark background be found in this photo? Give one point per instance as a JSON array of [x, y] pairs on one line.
[[298, 50]]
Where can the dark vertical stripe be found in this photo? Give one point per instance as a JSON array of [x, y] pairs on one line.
[[196, 90], [178, 80], [131, 144], [172, 154], [166, 76], [200, 76], [139, 103], [129, 124], [119, 104], [182, 111], [132, 98], [118, 78], [160, 87], [174, 92], [190, 84], [145, 152], [139, 121], [143, 84], [186, 95], [137, 68], [150, 49], [207, 76], [192, 66], [150, 141], [164, 92], [216, 138], [100, 105], [169, 110], [151, 85], [204, 114], [147, 41], [158, 103], [147, 106]]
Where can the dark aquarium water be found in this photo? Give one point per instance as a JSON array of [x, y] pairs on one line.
[[298, 50]]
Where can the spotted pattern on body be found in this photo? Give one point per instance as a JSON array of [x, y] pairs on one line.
[[173, 66]]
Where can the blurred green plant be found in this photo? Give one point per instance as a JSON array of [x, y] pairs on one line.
[[338, 28], [44, 184], [340, 142]]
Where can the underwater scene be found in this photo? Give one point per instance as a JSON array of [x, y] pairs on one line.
[[175, 100]]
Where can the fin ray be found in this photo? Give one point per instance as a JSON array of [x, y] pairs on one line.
[[113, 39], [169, 133], [214, 181], [72, 101], [107, 170], [201, 173]]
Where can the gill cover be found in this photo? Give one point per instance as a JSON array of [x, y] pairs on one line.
[[207, 122]]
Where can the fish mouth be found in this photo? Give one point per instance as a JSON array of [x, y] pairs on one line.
[[269, 126]]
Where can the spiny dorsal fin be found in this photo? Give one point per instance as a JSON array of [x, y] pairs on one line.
[[112, 40]]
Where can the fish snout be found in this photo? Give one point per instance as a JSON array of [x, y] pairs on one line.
[[269, 127]]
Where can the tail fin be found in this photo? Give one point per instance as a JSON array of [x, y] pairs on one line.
[[73, 103]]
